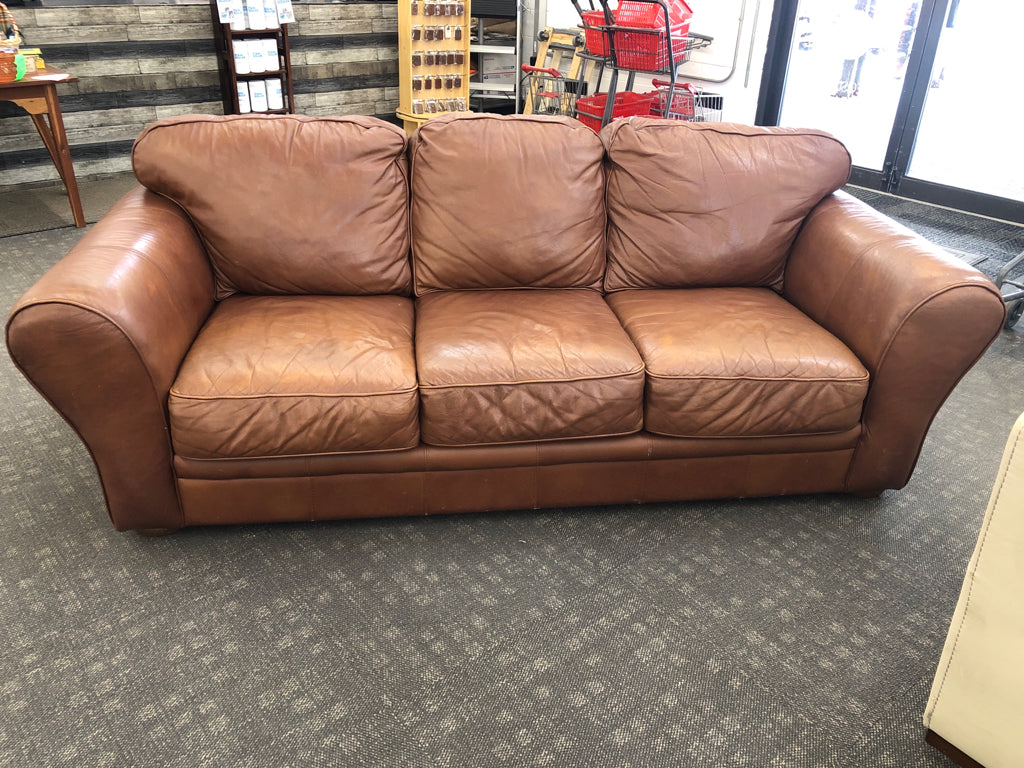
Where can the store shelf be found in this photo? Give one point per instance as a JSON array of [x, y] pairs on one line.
[[477, 48], [494, 87]]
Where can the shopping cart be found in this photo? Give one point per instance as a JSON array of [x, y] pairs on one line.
[[685, 101], [546, 92]]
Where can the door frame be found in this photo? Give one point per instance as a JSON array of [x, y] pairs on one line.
[[909, 113]]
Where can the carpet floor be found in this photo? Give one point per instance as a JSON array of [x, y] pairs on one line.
[[795, 632]]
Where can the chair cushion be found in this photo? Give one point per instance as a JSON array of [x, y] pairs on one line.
[[298, 375], [506, 202], [711, 204], [739, 362], [288, 204], [516, 366]]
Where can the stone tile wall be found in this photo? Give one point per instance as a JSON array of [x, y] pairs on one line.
[[137, 64]]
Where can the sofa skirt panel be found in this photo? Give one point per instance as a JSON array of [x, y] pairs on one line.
[[438, 481]]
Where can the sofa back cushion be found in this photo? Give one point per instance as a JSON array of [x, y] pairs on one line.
[[711, 204], [506, 202], [288, 204]]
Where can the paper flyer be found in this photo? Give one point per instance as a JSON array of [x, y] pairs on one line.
[[285, 12]]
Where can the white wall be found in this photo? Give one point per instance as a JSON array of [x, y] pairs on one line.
[[731, 66]]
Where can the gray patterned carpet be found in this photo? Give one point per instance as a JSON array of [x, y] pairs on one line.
[[800, 632]]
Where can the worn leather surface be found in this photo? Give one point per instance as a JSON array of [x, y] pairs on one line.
[[977, 696], [506, 202], [298, 375], [636, 447], [102, 334], [739, 362], [280, 499], [710, 204], [512, 380], [917, 317], [288, 204], [511, 366]]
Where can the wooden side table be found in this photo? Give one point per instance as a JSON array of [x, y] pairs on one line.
[[37, 95]]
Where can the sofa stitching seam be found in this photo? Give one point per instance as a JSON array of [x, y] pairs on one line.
[[973, 573]]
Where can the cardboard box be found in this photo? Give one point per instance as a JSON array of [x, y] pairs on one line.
[[499, 68]]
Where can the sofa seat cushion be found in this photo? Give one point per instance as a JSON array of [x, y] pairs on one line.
[[298, 375], [739, 362], [517, 366]]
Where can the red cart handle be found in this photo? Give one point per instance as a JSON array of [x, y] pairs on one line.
[[549, 71], [668, 83]]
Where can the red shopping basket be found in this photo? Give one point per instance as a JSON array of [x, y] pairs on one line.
[[594, 23], [590, 109], [639, 30]]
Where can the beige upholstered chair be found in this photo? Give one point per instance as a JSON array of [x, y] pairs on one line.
[[975, 713]]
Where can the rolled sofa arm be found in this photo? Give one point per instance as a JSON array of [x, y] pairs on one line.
[[101, 336], [917, 318]]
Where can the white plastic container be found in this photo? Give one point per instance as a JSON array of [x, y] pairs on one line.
[[270, 12], [256, 63], [243, 64], [275, 93], [255, 16], [243, 98], [258, 95], [271, 61]]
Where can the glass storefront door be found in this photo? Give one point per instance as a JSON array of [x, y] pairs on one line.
[[922, 92], [971, 126], [847, 69]]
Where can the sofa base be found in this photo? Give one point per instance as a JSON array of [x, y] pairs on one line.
[[951, 751], [217, 501]]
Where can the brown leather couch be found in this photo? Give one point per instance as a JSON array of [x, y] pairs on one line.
[[297, 318]]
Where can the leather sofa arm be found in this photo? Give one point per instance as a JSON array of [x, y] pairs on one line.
[[916, 317], [101, 336]]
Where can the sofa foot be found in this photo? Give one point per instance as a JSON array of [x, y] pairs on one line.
[[867, 494], [950, 751], [152, 533]]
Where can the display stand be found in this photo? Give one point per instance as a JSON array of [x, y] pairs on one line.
[[240, 82], [433, 59]]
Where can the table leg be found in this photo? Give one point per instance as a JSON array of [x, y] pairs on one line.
[[56, 142]]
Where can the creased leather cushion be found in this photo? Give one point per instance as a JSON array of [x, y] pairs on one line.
[[739, 362], [516, 366], [298, 375], [507, 202], [288, 204], [711, 204]]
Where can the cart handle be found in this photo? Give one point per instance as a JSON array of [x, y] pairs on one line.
[[668, 84], [549, 71]]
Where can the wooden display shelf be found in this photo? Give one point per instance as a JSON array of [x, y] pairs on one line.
[[224, 38]]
